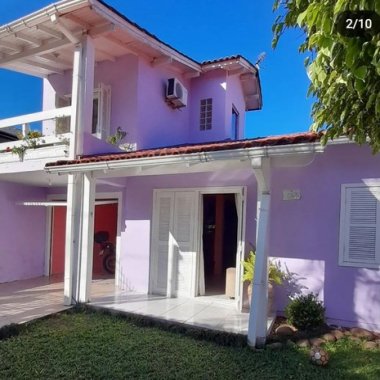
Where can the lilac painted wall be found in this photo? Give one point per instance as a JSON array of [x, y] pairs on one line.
[[210, 85], [122, 76], [234, 98], [137, 219], [158, 123], [22, 233], [305, 234], [138, 103]]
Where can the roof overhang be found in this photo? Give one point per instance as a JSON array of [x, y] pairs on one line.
[[43, 42], [194, 162], [249, 78]]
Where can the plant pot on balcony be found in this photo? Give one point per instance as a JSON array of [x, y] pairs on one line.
[[270, 296]]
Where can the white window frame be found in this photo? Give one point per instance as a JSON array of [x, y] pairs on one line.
[[103, 94], [343, 260], [205, 115]]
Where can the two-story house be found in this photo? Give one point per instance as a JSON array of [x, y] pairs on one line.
[[186, 199]]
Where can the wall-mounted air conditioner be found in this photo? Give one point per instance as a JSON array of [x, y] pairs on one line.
[[176, 93]]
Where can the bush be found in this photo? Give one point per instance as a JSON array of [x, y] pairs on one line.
[[305, 312]]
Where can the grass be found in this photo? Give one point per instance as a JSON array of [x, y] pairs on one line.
[[91, 345]]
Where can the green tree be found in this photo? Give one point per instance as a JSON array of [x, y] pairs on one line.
[[344, 70]]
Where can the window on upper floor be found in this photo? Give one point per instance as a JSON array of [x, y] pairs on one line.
[[101, 112], [359, 243], [205, 121], [234, 124]]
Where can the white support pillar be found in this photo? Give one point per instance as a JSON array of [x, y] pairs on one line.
[[87, 237], [258, 316], [72, 240], [80, 123], [82, 94]]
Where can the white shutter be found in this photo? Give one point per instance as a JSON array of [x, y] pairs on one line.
[[102, 100], [162, 227], [173, 243], [360, 226], [184, 245], [105, 110]]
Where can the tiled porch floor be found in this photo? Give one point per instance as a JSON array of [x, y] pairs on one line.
[[208, 312], [22, 301]]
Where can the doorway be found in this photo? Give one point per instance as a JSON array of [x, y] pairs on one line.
[[105, 221], [220, 241]]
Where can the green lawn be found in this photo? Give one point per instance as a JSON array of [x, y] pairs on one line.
[[89, 345]]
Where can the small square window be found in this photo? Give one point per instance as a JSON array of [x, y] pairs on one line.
[[205, 120]]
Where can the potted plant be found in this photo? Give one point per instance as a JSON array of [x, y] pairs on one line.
[[275, 276]]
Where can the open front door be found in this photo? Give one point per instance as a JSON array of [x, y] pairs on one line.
[[173, 253]]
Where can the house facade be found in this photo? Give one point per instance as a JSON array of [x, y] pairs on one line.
[[190, 195]]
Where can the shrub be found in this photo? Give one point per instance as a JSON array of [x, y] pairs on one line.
[[305, 312]]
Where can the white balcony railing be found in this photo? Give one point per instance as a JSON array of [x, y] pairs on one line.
[[54, 146], [35, 117]]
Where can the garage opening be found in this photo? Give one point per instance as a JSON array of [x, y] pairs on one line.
[[105, 228], [220, 229]]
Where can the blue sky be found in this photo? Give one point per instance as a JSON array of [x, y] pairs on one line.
[[202, 29]]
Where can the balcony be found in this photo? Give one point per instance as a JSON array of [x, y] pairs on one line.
[[32, 153]]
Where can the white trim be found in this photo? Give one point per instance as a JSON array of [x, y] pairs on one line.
[[59, 203], [87, 237], [37, 116], [192, 158], [240, 190], [115, 197], [344, 208], [199, 191], [48, 228]]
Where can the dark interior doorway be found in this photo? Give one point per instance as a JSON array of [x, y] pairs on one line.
[[105, 220], [220, 223]]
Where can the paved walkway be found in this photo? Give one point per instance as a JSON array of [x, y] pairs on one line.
[[22, 301]]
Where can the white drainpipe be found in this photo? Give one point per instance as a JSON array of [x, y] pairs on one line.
[[258, 315]]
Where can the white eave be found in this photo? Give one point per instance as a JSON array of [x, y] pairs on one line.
[[249, 78], [42, 43], [190, 159]]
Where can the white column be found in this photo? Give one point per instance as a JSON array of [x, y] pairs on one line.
[[258, 316], [80, 122], [82, 94], [87, 237], [72, 240]]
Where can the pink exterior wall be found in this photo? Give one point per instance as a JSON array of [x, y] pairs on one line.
[[137, 218], [305, 234], [138, 103], [22, 233], [122, 76], [210, 85], [235, 97], [159, 124]]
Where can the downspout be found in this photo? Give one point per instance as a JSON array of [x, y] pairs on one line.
[[257, 329]]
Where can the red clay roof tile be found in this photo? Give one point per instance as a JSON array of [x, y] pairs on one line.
[[298, 138]]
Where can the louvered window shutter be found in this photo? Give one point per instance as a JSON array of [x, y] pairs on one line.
[[105, 111], [163, 227], [360, 226]]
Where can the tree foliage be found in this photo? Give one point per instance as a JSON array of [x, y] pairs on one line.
[[344, 71]]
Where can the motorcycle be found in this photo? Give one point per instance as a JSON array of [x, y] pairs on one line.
[[107, 251]]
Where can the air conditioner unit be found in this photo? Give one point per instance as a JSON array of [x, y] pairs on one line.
[[176, 93]]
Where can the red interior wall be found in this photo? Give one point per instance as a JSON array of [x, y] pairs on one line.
[[105, 220], [58, 230]]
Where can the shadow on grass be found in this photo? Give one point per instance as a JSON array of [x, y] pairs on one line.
[[83, 342]]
